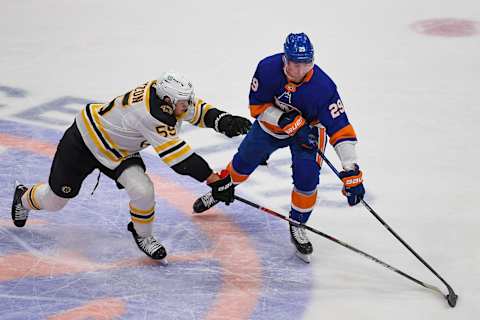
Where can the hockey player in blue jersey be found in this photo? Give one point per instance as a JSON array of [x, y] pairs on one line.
[[296, 105]]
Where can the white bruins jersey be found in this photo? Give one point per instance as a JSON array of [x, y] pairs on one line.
[[134, 121]]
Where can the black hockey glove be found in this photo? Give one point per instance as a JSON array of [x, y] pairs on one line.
[[231, 125], [353, 185], [223, 189]]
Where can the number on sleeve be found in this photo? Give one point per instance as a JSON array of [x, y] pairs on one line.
[[254, 84], [336, 109]]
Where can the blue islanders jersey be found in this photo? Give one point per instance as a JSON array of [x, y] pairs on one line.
[[316, 98]]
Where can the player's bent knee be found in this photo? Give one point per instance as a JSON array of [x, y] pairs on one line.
[[52, 202], [137, 184], [143, 190]]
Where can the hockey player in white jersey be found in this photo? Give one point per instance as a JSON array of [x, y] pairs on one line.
[[109, 136]]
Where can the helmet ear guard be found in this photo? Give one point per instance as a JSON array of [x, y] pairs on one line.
[[174, 86], [298, 48]]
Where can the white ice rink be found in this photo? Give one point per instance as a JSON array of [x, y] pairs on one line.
[[408, 73]]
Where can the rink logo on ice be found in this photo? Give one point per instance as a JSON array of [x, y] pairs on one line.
[[13, 92], [236, 279], [241, 288]]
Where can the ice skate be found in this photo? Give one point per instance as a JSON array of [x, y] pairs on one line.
[[204, 203], [19, 212], [299, 238], [149, 245]]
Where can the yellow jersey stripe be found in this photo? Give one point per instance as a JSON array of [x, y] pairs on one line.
[[196, 114], [166, 145], [105, 135], [90, 116], [177, 154], [204, 112], [95, 139], [147, 95]]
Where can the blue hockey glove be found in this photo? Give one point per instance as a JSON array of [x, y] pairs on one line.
[[306, 138], [353, 185], [294, 124]]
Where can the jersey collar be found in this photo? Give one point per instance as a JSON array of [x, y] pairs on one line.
[[306, 79]]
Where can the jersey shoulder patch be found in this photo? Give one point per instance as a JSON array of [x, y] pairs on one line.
[[160, 110]]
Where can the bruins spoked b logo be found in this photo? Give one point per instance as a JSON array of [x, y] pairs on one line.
[[66, 189]]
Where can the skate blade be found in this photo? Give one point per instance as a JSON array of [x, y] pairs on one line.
[[199, 211], [304, 257], [162, 262]]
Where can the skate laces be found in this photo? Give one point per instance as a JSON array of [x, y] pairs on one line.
[[300, 235], [20, 212], [208, 200], [149, 244]]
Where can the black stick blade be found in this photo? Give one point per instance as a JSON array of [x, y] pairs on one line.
[[452, 299]]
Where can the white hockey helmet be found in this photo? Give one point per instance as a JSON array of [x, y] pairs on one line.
[[175, 86]]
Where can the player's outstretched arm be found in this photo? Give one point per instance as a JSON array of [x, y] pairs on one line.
[[226, 123], [203, 115], [196, 167]]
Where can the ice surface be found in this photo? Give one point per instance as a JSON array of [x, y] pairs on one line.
[[411, 97]]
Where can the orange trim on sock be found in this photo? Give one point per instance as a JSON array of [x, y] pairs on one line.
[[303, 201], [236, 177]]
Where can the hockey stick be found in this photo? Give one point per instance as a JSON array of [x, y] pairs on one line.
[[451, 296], [344, 244]]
